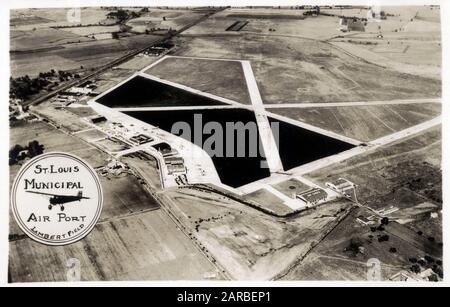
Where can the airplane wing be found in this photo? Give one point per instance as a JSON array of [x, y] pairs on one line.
[[40, 193], [49, 194]]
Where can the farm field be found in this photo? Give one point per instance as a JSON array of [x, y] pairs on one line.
[[164, 19], [44, 39], [124, 195], [94, 32], [262, 21], [203, 75], [74, 56], [27, 19], [143, 247], [55, 140], [364, 123]]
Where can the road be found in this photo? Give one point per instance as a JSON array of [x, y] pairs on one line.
[[352, 103], [265, 131]]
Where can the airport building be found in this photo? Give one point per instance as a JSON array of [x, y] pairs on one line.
[[313, 196]]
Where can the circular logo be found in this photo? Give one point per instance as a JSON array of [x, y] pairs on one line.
[[56, 198]]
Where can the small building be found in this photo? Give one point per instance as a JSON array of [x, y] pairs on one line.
[[341, 186], [98, 119], [365, 221], [80, 90], [313, 196], [163, 148], [141, 139], [174, 160], [404, 276], [176, 168], [388, 210]]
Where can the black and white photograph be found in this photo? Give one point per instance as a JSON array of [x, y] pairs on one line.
[[268, 142]]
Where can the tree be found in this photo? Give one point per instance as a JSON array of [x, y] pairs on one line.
[[14, 153], [383, 238], [415, 268], [385, 221], [429, 259], [354, 245], [35, 149]]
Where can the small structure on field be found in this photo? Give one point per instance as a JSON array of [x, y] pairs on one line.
[[344, 187], [313, 196]]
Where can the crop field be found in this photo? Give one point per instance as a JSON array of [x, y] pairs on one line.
[[124, 195], [164, 19], [147, 246], [203, 75], [268, 22], [44, 18], [364, 123], [55, 140], [73, 56], [46, 39], [295, 70], [93, 30], [22, 20]]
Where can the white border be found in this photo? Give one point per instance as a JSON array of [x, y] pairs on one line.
[[4, 129]]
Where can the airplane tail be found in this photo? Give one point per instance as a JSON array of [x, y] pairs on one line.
[[80, 194]]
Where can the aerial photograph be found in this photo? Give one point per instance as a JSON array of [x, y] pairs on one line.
[[263, 143]]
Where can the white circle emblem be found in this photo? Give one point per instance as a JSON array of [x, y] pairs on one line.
[[56, 198]]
